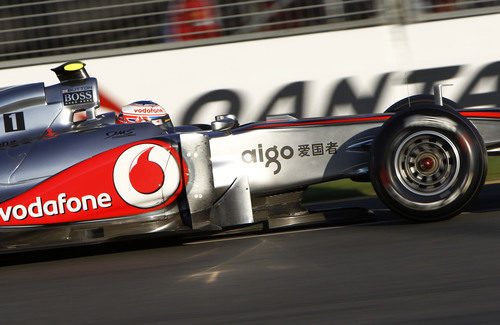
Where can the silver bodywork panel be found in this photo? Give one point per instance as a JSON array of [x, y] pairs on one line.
[[281, 159]]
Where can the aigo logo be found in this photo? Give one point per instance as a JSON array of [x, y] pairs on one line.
[[147, 175], [272, 155]]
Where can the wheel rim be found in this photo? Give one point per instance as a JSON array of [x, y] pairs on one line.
[[427, 163]]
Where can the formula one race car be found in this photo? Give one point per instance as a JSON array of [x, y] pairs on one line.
[[64, 182]]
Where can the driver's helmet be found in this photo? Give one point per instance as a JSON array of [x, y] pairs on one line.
[[144, 111]]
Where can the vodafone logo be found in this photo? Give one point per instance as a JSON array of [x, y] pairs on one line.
[[40, 208], [147, 175], [149, 110]]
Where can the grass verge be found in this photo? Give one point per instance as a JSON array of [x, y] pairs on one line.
[[345, 188]]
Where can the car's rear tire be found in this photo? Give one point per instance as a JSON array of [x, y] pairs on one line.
[[428, 163], [419, 100]]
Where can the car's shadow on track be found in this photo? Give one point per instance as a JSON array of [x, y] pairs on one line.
[[148, 242], [366, 211], [488, 200], [53, 254]]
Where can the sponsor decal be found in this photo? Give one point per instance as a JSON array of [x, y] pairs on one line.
[[13, 122], [273, 154], [61, 205], [120, 133], [131, 179], [8, 143], [147, 110], [78, 95], [317, 149], [153, 175], [49, 134]]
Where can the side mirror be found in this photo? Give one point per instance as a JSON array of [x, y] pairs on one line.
[[224, 122]]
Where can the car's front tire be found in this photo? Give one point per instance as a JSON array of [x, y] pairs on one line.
[[427, 163]]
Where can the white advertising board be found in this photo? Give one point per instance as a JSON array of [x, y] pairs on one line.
[[342, 72]]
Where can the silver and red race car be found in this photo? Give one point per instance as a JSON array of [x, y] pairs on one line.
[[64, 182]]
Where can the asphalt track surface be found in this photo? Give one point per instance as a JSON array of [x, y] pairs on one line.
[[357, 269]]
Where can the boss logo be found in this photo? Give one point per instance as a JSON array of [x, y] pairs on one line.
[[271, 156], [147, 175], [78, 97]]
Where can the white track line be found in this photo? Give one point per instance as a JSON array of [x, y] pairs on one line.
[[262, 235], [284, 232]]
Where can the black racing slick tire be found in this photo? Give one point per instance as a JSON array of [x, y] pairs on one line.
[[419, 100], [428, 163]]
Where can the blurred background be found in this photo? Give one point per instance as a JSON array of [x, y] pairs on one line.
[[199, 58], [35, 31]]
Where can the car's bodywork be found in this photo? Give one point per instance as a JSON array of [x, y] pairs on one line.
[[65, 182]]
